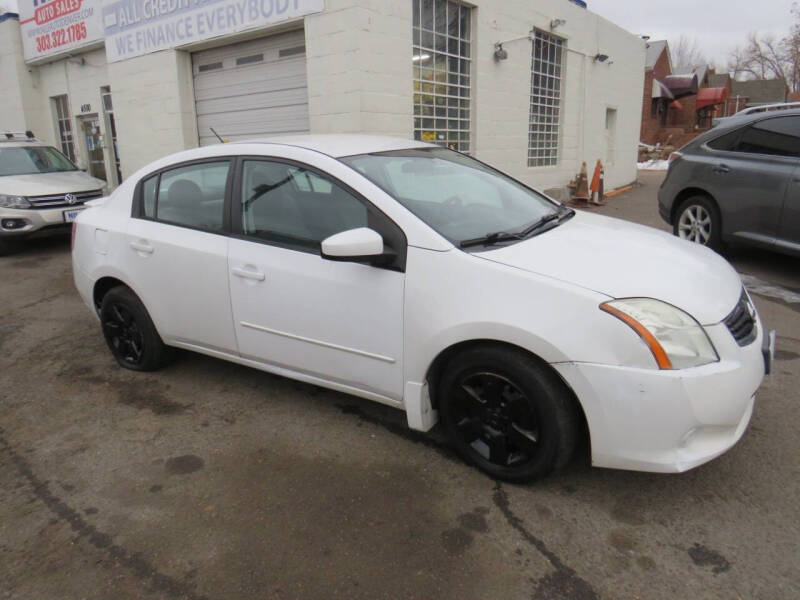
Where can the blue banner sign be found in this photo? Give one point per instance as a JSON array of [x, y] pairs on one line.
[[136, 27]]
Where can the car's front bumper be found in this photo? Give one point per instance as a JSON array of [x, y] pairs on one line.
[[669, 421], [34, 220]]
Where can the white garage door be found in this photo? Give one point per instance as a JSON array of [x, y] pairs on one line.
[[252, 89]]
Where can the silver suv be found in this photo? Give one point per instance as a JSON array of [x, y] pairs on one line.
[[40, 188], [738, 183]]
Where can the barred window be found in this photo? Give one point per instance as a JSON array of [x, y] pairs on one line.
[[441, 60], [64, 126], [545, 120]]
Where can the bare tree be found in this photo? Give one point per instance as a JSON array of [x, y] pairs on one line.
[[686, 54]]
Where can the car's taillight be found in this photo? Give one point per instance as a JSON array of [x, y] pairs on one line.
[[674, 156], [74, 233]]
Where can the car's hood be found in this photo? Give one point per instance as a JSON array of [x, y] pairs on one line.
[[43, 184], [624, 260]]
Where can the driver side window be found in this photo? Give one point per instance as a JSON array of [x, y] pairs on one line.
[[291, 205]]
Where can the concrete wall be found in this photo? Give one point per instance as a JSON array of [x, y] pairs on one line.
[[154, 107], [20, 103], [360, 80]]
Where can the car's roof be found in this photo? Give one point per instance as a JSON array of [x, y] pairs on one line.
[[736, 120], [339, 145]]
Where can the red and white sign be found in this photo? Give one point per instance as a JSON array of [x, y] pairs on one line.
[[51, 27]]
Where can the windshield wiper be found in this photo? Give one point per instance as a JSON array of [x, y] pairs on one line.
[[506, 236], [490, 239]]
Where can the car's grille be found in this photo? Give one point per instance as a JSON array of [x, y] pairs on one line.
[[741, 322], [63, 200]]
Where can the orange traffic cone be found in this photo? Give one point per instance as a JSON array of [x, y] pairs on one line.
[[582, 189], [597, 183]]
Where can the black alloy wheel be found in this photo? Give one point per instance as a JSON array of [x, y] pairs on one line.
[[123, 334], [507, 412], [495, 418], [130, 333]]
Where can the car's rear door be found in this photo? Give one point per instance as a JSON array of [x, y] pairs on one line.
[[337, 321], [176, 255], [748, 172]]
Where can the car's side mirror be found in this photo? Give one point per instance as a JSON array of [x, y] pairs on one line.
[[354, 245]]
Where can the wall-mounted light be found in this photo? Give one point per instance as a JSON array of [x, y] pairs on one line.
[[500, 52], [556, 23], [601, 58]]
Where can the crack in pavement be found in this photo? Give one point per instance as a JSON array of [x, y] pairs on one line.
[[143, 569], [564, 584]]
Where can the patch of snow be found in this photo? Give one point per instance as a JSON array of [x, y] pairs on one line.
[[653, 165]]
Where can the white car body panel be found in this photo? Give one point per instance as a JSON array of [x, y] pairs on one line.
[[340, 321], [376, 333], [588, 251]]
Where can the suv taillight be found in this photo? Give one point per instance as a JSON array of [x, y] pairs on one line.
[[74, 233]]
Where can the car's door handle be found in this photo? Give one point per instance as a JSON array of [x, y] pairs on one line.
[[721, 169], [248, 274], [142, 247]]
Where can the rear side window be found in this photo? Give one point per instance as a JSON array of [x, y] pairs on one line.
[[726, 142], [773, 137], [149, 197], [776, 137], [193, 196]]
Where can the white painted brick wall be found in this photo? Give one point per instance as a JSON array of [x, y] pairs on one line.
[[360, 80]]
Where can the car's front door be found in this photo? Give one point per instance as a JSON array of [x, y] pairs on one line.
[[337, 321], [749, 173], [177, 254]]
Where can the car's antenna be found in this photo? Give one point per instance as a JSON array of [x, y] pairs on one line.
[[221, 141]]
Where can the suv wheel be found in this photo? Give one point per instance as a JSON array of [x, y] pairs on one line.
[[698, 221], [507, 414]]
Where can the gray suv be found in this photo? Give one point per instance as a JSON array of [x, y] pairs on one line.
[[738, 183]]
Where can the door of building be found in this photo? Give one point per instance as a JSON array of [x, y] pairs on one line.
[[252, 89], [93, 138]]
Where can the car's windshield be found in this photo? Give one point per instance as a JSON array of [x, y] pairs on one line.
[[456, 195], [28, 160]]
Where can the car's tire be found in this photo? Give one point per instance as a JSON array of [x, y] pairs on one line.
[[130, 333], [698, 220], [507, 413]]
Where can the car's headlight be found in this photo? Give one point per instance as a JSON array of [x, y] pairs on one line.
[[676, 340], [13, 201]]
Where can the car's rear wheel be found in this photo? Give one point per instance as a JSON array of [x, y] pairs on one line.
[[130, 333], [507, 413], [698, 221]]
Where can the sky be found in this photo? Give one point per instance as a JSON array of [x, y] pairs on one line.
[[718, 25]]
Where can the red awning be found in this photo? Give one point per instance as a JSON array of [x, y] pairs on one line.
[[711, 96]]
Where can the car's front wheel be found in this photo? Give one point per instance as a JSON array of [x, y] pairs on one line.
[[507, 413], [698, 221], [130, 333]]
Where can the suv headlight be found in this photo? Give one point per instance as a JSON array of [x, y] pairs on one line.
[[13, 201], [676, 340]]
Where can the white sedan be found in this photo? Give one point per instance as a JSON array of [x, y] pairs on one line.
[[421, 278]]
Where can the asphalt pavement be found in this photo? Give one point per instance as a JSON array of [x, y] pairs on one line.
[[211, 480]]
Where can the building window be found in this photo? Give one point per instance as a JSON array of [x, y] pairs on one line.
[[545, 119], [441, 60], [108, 109], [61, 105]]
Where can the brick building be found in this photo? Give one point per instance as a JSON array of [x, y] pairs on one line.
[[534, 88]]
